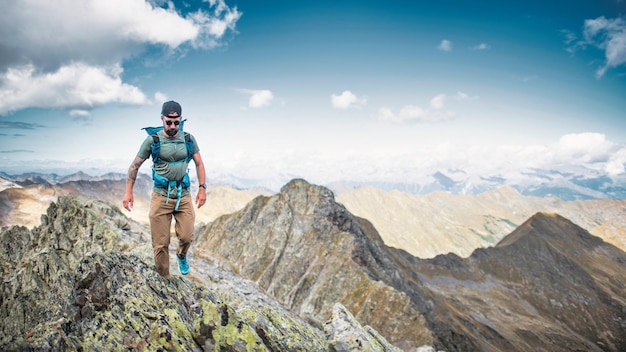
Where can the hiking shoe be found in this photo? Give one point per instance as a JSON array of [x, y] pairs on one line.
[[183, 265]]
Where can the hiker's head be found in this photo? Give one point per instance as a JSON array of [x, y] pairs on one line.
[[171, 115]]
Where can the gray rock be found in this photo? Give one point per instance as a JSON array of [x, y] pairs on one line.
[[72, 284], [346, 334]]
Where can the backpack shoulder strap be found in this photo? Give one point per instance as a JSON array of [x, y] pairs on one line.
[[189, 145], [156, 147]]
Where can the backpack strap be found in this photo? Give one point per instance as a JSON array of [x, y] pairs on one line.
[[189, 145], [156, 148]]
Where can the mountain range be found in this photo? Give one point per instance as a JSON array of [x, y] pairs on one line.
[[566, 182], [24, 197], [440, 222], [549, 285], [296, 270], [423, 225]]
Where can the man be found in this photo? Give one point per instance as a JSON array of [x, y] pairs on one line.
[[170, 195]]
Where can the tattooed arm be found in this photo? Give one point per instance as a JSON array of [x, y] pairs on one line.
[[129, 199]]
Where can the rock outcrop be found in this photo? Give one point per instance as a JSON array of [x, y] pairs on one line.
[[308, 252], [83, 281], [550, 285]]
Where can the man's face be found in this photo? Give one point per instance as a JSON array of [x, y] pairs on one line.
[[171, 124]]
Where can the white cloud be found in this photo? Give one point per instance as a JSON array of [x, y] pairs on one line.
[[214, 27], [464, 96], [610, 36], [74, 85], [617, 161], [584, 147], [445, 45], [570, 40], [385, 114], [261, 98], [413, 113], [79, 113], [323, 166], [100, 31], [258, 98], [46, 39], [346, 100], [482, 46], [160, 97], [512, 162], [437, 101]]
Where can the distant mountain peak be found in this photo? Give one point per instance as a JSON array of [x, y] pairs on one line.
[[548, 226]]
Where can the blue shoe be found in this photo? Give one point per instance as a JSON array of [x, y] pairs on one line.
[[183, 265]]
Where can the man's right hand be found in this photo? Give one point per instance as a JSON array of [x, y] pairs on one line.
[[128, 201]]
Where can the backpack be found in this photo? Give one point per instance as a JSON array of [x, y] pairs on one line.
[[163, 182]]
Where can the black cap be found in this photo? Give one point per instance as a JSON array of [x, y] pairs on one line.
[[170, 107]]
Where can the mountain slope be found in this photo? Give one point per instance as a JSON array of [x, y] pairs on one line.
[[305, 250], [82, 282], [549, 285], [566, 259], [441, 222]]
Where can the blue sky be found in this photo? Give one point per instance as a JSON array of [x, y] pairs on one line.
[[325, 90]]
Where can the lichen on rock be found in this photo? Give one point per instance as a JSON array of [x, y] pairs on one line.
[[68, 285]]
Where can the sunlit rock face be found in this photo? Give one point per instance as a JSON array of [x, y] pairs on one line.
[[83, 280], [308, 252]]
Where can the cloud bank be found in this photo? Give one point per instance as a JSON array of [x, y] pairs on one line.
[[589, 151], [54, 58], [573, 153]]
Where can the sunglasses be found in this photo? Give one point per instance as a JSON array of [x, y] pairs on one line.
[[169, 123]]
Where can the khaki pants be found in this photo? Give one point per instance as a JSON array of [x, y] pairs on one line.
[[160, 224]]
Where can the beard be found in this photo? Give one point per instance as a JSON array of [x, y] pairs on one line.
[[171, 132]]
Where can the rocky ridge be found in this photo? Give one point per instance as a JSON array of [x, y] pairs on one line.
[[528, 293], [82, 280]]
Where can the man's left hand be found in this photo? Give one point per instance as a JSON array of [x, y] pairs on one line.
[[201, 197]]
